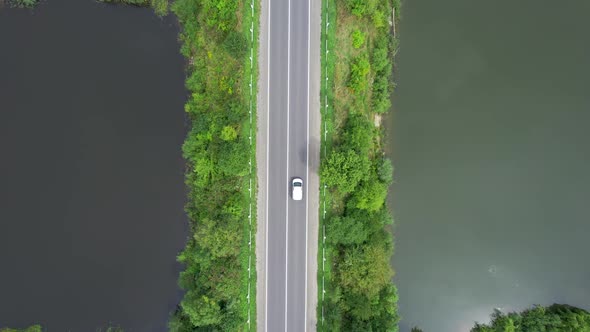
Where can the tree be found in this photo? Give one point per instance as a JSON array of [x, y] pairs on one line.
[[346, 230], [386, 317], [557, 317], [234, 206], [200, 309], [233, 158], [344, 170], [370, 195], [365, 270], [358, 134], [220, 238]]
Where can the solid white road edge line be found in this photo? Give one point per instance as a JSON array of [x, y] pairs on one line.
[[267, 169], [307, 158]]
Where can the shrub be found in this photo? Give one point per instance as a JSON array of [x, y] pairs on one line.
[[219, 237], [370, 195], [381, 92], [379, 18], [385, 171], [380, 55], [228, 133], [358, 38], [160, 6], [359, 69], [344, 170], [359, 273], [346, 230], [360, 8], [200, 309], [233, 158], [358, 134], [220, 13], [236, 44]]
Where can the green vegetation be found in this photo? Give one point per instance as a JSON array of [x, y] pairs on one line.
[[359, 294], [216, 40], [358, 38], [557, 318], [159, 6], [23, 4], [33, 328]]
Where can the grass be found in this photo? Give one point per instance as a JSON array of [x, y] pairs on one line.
[[327, 64], [248, 255]]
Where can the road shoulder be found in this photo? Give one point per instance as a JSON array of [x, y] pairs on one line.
[[314, 160], [261, 162]]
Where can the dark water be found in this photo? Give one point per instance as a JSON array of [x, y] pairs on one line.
[[91, 174], [491, 138]]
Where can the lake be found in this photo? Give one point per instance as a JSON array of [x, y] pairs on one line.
[[91, 172], [489, 137]]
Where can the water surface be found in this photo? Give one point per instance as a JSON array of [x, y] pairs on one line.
[[91, 174], [490, 141]]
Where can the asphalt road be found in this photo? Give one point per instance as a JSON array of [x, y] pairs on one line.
[[287, 156]]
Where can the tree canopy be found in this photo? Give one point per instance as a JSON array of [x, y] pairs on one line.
[[555, 318]]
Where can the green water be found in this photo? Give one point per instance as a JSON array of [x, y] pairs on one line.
[[490, 140]]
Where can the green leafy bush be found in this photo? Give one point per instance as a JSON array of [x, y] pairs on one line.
[[220, 13], [361, 8], [236, 44], [160, 6], [385, 171], [358, 38], [344, 170], [346, 230], [370, 195], [358, 134], [228, 133], [359, 69]]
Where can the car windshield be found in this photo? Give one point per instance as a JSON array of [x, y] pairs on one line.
[[297, 184]]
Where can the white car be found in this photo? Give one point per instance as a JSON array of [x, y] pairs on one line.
[[297, 189]]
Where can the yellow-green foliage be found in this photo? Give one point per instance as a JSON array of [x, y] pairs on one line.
[[33, 328]]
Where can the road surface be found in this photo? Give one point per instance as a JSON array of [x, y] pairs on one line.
[[288, 147]]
